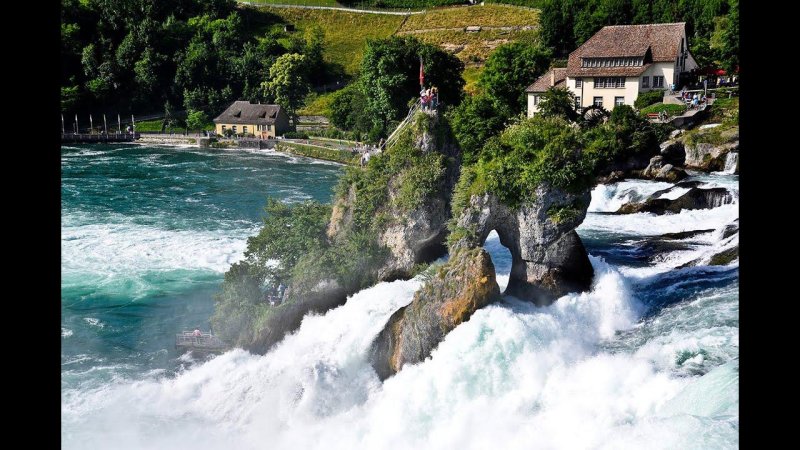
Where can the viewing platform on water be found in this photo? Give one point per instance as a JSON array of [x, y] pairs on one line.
[[80, 138], [199, 342]]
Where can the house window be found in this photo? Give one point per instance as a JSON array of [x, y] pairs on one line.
[[269, 127], [619, 101], [233, 128], [598, 101], [658, 81], [577, 102], [224, 127], [645, 82], [535, 100], [609, 82], [244, 129], [578, 83]]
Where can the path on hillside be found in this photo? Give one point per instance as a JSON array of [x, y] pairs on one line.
[[507, 28], [338, 8]]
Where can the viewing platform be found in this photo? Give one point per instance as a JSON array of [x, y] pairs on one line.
[[202, 343]]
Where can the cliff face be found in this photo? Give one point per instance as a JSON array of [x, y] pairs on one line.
[[548, 257], [458, 289], [415, 233], [392, 216]]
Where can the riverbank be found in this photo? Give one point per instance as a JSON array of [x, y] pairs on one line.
[[317, 152]]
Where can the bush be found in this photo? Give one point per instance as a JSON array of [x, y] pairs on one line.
[[648, 98], [295, 135]]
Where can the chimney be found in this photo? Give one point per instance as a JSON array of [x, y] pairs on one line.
[[552, 77]]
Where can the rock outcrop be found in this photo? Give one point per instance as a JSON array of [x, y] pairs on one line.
[[706, 156], [407, 236], [695, 198], [457, 289], [548, 257], [659, 170]]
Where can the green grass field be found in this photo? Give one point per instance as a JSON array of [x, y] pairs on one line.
[[487, 16], [670, 109], [317, 105]]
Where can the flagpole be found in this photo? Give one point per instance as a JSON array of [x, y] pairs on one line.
[[62, 123], [119, 124], [91, 124], [105, 129], [77, 126]]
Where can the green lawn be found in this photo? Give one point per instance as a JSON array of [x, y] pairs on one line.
[[413, 5], [670, 109]]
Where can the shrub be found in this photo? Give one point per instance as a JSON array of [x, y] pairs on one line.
[[648, 98]]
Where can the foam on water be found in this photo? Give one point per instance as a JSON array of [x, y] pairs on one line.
[[511, 372]]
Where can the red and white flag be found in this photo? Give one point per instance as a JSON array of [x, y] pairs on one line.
[[421, 73]]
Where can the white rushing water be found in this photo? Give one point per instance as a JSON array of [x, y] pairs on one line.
[[595, 370]]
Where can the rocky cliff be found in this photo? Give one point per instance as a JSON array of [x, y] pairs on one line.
[[457, 289], [548, 257], [388, 218]]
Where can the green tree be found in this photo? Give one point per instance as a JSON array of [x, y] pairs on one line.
[[474, 121], [509, 70], [557, 102], [196, 120], [730, 49], [288, 81], [349, 109], [390, 77]]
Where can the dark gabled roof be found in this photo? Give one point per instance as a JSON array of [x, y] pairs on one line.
[[543, 82], [663, 40], [244, 112]]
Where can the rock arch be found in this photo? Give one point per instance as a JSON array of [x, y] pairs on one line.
[[548, 257]]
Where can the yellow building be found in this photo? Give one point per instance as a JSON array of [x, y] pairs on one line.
[[253, 119]]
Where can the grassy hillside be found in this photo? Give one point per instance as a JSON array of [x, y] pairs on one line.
[[487, 16], [445, 27], [345, 32]]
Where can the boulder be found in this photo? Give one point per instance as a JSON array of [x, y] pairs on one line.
[[673, 152], [548, 257], [457, 289], [660, 171]]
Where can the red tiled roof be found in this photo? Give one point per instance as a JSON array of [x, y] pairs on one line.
[[662, 39], [543, 82]]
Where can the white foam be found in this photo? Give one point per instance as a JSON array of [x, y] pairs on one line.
[[513, 376]]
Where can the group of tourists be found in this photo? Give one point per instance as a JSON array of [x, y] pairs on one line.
[[429, 98], [693, 101]]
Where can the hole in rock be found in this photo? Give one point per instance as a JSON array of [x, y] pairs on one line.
[[501, 258]]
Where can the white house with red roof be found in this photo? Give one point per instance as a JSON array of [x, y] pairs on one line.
[[612, 67]]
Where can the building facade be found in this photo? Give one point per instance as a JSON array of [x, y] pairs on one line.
[[612, 67], [253, 119]]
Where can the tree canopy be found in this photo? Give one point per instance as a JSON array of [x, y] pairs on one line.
[[510, 69]]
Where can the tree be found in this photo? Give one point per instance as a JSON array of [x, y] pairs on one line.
[[509, 70], [349, 109], [389, 76], [474, 121], [557, 102], [730, 49], [288, 81], [196, 120]]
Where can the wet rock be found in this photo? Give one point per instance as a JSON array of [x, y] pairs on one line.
[[457, 289], [695, 198], [548, 258]]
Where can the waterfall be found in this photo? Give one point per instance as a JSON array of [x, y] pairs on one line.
[[731, 160]]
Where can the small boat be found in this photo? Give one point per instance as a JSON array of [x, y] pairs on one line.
[[199, 342]]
